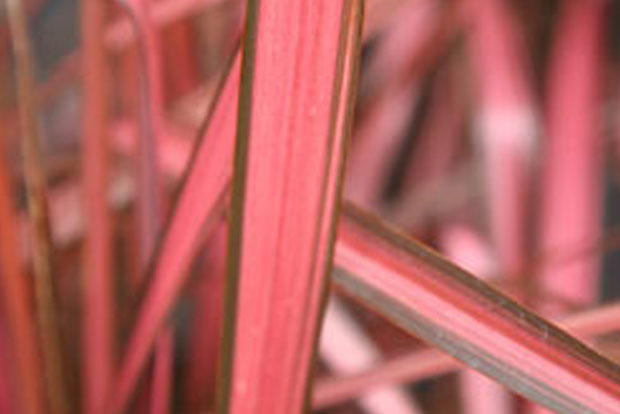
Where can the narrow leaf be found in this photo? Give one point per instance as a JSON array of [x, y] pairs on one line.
[[428, 363], [431, 298], [202, 193]]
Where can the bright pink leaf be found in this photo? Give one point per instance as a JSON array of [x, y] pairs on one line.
[[203, 190], [295, 106]]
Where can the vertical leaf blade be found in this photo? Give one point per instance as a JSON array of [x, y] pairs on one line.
[[294, 111]]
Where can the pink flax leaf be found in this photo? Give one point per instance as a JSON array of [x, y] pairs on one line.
[[203, 191], [295, 107], [433, 299], [428, 363]]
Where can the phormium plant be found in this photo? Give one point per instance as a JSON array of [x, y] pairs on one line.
[[195, 204]]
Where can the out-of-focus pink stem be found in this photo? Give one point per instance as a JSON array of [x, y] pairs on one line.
[[97, 359], [572, 181], [150, 200], [434, 153], [379, 138], [572, 192], [439, 144], [507, 130], [346, 349]]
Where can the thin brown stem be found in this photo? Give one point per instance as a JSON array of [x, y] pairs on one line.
[[36, 189]]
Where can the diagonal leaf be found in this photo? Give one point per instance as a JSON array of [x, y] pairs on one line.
[[203, 191], [431, 298], [423, 364]]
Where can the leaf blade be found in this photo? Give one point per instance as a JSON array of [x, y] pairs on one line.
[[433, 299], [294, 112], [199, 202]]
